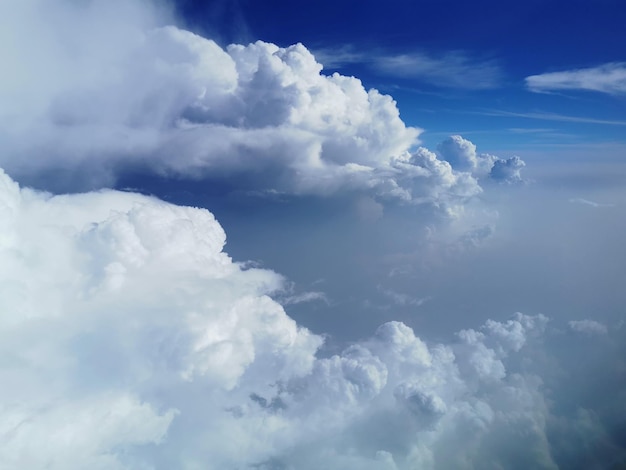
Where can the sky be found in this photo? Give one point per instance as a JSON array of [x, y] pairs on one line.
[[343, 235]]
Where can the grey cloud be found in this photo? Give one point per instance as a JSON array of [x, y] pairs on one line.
[[587, 202], [588, 326], [508, 170]]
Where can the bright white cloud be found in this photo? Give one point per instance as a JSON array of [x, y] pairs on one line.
[[607, 78], [170, 100], [131, 340], [462, 156], [161, 99]]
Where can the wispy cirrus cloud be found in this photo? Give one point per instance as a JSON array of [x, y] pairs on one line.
[[455, 69], [452, 70], [545, 116], [607, 78]]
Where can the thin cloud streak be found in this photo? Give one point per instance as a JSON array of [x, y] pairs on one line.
[[552, 117], [606, 78], [450, 70]]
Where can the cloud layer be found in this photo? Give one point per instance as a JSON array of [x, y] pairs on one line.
[[131, 340], [607, 78], [164, 100]]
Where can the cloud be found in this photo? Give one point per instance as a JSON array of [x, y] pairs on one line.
[[310, 296], [588, 326], [449, 70], [607, 78], [123, 311], [544, 116], [587, 202], [130, 339], [159, 99], [508, 170], [462, 156], [452, 70], [163, 98]]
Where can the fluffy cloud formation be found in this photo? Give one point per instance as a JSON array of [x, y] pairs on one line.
[[131, 340], [607, 78], [164, 100], [462, 156]]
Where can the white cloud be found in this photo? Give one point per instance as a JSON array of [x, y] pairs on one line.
[[453, 70], [588, 326], [90, 107], [172, 101], [462, 156], [587, 202], [131, 340], [548, 116], [449, 70], [606, 78], [310, 296]]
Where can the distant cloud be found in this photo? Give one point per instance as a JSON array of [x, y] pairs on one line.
[[546, 116], [461, 154], [160, 99], [588, 326], [126, 313], [448, 70], [607, 78], [452, 70], [587, 202], [401, 299], [312, 296]]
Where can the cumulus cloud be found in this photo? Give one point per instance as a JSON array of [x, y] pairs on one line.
[[606, 78], [131, 340], [165, 98], [157, 98], [462, 156]]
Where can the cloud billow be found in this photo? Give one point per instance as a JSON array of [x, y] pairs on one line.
[[131, 340], [462, 156], [162, 100]]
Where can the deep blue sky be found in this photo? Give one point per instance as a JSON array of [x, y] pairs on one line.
[[508, 40]]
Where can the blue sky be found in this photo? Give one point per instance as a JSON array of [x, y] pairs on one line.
[[291, 236], [465, 64]]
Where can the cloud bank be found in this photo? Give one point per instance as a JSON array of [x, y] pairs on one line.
[[156, 98], [607, 78], [131, 340]]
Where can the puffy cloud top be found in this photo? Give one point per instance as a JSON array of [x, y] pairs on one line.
[[131, 340], [462, 156], [166, 100]]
